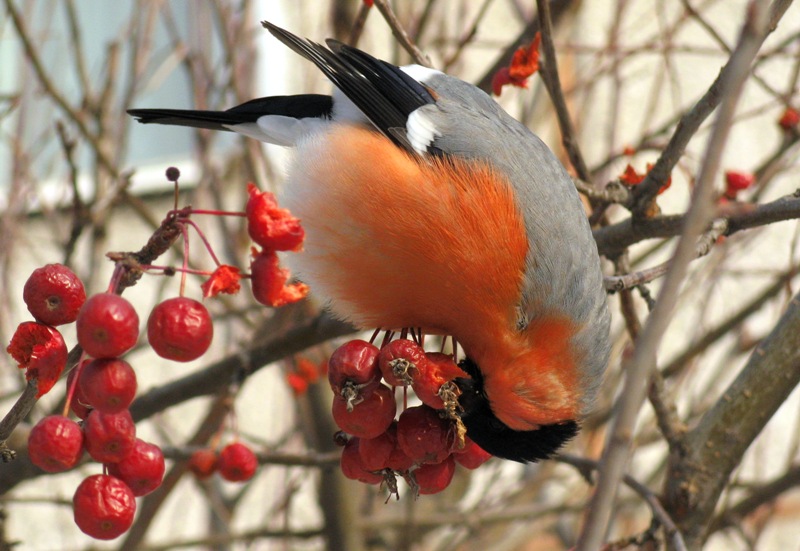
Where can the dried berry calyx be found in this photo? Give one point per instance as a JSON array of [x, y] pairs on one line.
[[369, 417], [400, 361]]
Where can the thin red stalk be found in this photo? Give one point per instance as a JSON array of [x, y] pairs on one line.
[[205, 241]]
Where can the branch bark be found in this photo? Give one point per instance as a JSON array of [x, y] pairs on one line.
[[716, 445]]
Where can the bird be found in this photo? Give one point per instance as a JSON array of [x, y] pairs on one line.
[[426, 205]]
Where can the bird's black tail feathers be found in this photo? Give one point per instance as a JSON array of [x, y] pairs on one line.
[[298, 107]]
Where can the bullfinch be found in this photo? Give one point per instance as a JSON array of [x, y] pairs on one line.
[[426, 205]]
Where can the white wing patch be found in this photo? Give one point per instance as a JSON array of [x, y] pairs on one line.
[[420, 131], [419, 73]]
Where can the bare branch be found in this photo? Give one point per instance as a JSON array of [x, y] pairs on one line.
[[639, 368]]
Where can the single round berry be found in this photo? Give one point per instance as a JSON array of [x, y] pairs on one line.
[[203, 463], [352, 466], [109, 437], [79, 404], [55, 444], [180, 329], [142, 469], [237, 462], [108, 384], [423, 435], [400, 360], [384, 452], [103, 507], [375, 452], [355, 362], [54, 294], [471, 456], [107, 326], [369, 417], [40, 350], [432, 478]]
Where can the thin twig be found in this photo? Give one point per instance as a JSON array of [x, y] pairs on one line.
[[704, 244], [400, 33], [586, 466], [549, 72]]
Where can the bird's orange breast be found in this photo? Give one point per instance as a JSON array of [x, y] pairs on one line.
[[395, 241]]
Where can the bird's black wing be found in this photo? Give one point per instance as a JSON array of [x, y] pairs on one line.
[[384, 93]]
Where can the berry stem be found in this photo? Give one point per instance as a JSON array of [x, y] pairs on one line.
[[185, 265], [74, 385], [116, 277], [374, 335], [214, 212], [205, 241], [156, 267]]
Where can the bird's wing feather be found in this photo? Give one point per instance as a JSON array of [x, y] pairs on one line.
[[383, 92]]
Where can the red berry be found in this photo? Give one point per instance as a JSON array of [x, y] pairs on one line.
[[203, 463], [471, 456], [269, 281], [108, 384], [436, 371], [423, 435], [789, 119], [736, 181], [180, 329], [356, 363], [375, 452], [270, 226], [79, 404], [399, 361], [383, 452], [40, 350], [352, 466], [54, 294], [55, 444], [432, 478], [237, 462], [103, 507], [142, 469], [109, 436], [107, 326], [369, 417]]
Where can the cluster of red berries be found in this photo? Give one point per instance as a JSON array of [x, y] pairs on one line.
[[236, 462], [100, 389], [424, 444], [103, 385]]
